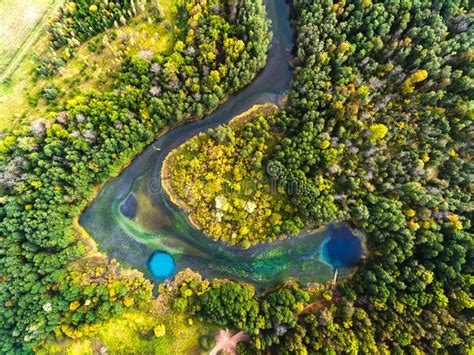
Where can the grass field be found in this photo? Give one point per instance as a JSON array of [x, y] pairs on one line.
[[22, 34], [134, 330], [86, 71], [21, 22]]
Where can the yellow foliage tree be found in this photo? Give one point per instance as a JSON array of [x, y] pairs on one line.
[[418, 76], [74, 305], [159, 330], [378, 131]]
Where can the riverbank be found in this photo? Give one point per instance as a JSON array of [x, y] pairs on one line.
[[265, 109], [82, 232], [132, 240]]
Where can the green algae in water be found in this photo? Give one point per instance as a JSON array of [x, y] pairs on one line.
[[152, 223]]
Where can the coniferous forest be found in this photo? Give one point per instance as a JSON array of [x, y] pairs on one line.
[[377, 130]]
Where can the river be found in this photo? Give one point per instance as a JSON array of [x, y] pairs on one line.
[[132, 217]]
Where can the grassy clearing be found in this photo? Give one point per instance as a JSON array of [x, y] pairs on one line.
[[20, 24], [22, 34], [135, 330], [20, 96]]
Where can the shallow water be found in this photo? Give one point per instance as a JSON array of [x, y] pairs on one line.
[[132, 217]]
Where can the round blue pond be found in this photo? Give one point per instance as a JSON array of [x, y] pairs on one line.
[[161, 265], [341, 249]]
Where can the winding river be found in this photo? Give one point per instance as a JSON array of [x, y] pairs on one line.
[[132, 217]]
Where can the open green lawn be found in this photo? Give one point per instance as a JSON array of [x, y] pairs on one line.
[[22, 33], [88, 70], [136, 330], [21, 23]]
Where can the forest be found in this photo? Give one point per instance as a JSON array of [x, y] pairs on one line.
[[219, 176], [50, 168], [384, 115], [377, 130]]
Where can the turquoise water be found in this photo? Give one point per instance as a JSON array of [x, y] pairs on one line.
[[132, 216], [341, 249], [161, 265]]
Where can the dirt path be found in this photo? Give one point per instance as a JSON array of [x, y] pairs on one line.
[[227, 343], [313, 307]]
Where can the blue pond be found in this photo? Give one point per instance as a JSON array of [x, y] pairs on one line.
[[341, 249], [161, 265]]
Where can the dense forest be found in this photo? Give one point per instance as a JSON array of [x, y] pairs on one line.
[[49, 169], [220, 178], [377, 131]]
